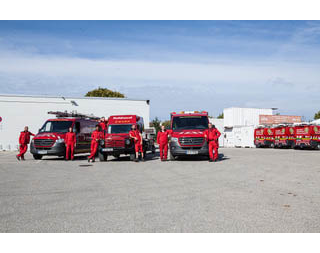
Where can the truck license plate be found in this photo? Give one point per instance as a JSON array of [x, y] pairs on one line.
[[42, 152], [107, 149], [192, 152]]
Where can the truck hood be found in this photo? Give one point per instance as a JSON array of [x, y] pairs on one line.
[[188, 133]]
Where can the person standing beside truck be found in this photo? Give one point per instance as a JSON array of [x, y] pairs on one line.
[[70, 141], [103, 124], [212, 135], [24, 140], [137, 138], [162, 140], [96, 136]]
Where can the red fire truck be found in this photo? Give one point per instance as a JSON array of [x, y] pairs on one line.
[[284, 136], [187, 134], [307, 136], [264, 137], [117, 139], [50, 139]]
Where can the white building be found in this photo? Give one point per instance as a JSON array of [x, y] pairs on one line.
[[18, 111], [239, 125]]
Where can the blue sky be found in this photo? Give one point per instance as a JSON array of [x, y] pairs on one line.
[[178, 65]]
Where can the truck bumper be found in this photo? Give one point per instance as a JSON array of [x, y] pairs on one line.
[[58, 149], [177, 150]]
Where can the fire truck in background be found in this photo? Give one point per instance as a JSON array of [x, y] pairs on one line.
[[117, 141], [187, 134], [264, 137], [307, 136], [284, 136], [50, 139]]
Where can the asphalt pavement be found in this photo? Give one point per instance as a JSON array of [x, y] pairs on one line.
[[250, 190]]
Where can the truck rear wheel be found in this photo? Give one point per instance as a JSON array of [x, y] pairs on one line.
[[37, 157], [103, 157]]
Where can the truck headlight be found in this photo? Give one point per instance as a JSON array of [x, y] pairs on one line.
[[127, 142], [60, 141], [174, 139]]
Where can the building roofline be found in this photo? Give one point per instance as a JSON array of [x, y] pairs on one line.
[[67, 97]]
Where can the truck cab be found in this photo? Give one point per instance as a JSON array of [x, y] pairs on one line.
[[117, 141], [49, 141], [187, 134]]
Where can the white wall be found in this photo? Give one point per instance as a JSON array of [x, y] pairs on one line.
[[19, 111], [236, 116]]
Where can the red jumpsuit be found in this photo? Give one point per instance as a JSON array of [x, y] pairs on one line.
[[70, 141], [95, 137], [24, 140], [162, 140], [137, 142], [103, 125], [213, 135]]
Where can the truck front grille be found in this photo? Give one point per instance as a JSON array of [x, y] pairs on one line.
[[115, 143], [191, 141], [43, 142]]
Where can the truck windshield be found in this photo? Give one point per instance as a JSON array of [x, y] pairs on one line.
[[119, 129], [190, 122], [56, 127]]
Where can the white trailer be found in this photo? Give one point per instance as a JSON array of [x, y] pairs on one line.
[[17, 111]]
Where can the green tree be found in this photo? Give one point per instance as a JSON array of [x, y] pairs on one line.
[[104, 92], [317, 115], [167, 124], [156, 123], [220, 116]]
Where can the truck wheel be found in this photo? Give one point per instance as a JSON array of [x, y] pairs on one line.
[[117, 156], [103, 157], [37, 157], [144, 154], [153, 149], [132, 157], [172, 157], [318, 146]]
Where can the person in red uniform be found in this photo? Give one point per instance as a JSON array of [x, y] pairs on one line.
[[162, 140], [95, 137], [103, 124], [137, 138], [212, 135], [70, 141], [24, 140]]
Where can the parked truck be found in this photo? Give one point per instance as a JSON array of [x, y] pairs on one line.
[[50, 139], [117, 141], [187, 134], [284, 136], [307, 136], [264, 137]]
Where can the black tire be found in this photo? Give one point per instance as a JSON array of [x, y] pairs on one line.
[[116, 156], [132, 157], [102, 157], [37, 157], [144, 154], [172, 157], [153, 149]]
